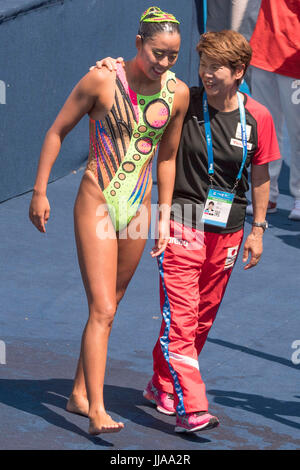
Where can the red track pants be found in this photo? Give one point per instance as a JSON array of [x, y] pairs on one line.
[[194, 272]]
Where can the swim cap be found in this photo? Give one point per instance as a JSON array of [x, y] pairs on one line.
[[156, 15]]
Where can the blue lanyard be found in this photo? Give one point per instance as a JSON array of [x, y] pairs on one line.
[[208, 136]]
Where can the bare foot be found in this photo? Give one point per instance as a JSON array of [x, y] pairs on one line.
[[78, 404], [103, 423]]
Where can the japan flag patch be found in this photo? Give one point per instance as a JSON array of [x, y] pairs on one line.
[[231, 257]]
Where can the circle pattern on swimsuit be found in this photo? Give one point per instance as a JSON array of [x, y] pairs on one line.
[[144, 145], [157, 114], [171, 85], [128, 167], [128, 182]]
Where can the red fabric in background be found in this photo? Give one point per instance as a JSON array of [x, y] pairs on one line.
[[276, 37]]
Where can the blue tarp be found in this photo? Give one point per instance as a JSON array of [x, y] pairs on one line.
[[46, 47]]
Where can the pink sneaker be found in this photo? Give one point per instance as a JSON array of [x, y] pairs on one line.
[[193, 422], [164, 401]]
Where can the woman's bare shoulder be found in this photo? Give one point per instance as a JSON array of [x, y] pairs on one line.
[[96, 80], [182, 88], [182, 96]]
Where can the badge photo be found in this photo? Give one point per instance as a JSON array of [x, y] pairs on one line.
[[217, 207]]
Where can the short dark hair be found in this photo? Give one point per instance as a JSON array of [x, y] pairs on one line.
[[227, 47]]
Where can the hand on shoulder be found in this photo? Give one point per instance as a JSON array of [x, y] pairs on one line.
[[98, 78], [99, 86]]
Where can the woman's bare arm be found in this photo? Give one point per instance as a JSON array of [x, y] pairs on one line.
[[92, 94], [260, 198], [87, 94], [166, 164]]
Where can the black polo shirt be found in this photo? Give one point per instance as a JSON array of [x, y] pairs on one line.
[[192, 180]]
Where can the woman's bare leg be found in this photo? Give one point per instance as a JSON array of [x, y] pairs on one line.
[[130, 249], [97, 258], [129, 253], [78, 401]]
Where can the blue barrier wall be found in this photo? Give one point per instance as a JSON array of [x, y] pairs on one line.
[[46, 47]]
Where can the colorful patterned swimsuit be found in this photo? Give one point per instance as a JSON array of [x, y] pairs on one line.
[[123, 144]]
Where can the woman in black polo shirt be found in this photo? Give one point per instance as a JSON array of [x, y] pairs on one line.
[[224, 132]]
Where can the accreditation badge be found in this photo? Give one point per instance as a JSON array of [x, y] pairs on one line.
[[217, 207]]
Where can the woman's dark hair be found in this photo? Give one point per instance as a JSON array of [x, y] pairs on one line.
[[167, 23]]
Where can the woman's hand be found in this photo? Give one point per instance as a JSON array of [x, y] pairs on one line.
[[253, 247], [39, 211], [163, 238], [108, 62]]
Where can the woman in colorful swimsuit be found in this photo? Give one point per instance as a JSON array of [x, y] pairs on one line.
[[131, 111]]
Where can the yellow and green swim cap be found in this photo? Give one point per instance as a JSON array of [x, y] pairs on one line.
[[156, 15]]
